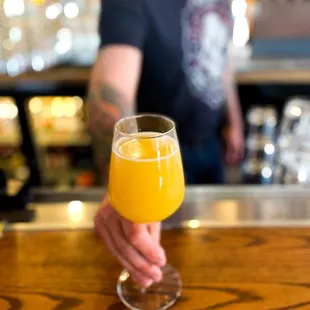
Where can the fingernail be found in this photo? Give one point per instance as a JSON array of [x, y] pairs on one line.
[[147, 283], [162, 261]]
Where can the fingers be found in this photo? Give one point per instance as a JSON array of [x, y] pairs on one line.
[[133, 256], [108, 226], [138, 235], [104, 233]]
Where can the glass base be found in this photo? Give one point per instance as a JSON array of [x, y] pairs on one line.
[[158, 296]]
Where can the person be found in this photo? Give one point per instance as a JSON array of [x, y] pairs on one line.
[[168, 57]]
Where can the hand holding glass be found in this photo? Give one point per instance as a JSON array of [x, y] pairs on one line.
[[147, 185]]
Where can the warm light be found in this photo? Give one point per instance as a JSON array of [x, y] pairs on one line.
[[193, 224], [1, 229], [4, 110], [69, 107], [57, 107], [38, 1], [35, 105], [75, 211], [226, 210], [13, 111], [8, 110], [71, 10], [46, 112], [22, 173], [78, 102]]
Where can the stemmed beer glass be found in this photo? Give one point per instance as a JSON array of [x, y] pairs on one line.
[[147, 185]]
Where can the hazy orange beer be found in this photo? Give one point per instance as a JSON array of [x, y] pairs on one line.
[[146, 177]]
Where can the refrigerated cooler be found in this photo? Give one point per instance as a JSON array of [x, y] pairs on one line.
[[62, 146], [15, 172], [12, 160], [62, 142]]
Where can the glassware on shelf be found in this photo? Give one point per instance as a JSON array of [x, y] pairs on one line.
[[258, 165], [37, 34], [293, 111], [13, 34], [27, 35], [257, 172], [293, 160], [43, 24], [79, 21], [262, 121]]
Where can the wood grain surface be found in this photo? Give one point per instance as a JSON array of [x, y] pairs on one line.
[[221, 269]]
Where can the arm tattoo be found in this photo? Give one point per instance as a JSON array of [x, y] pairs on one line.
[[105, 107]]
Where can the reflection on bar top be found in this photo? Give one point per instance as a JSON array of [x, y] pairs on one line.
[[203, 207]]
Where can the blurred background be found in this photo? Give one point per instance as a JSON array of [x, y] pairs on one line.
[[48, 47]]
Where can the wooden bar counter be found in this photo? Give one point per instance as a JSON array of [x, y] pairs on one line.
[[236, 248]]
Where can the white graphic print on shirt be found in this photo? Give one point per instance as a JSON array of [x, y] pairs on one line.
[[206, 31]]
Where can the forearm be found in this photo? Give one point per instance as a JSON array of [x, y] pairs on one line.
[[106, 106], [233, 103], [233, 106]]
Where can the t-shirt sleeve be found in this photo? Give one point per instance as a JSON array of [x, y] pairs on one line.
[[122, 22]]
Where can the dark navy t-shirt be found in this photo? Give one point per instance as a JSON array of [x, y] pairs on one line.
[[184, 45]]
